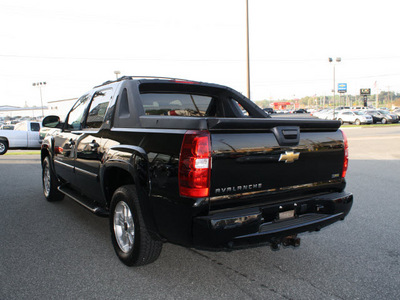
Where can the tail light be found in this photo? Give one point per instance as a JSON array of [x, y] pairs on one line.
[[346, 155], [195, 164]]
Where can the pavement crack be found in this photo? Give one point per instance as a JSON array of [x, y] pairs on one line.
[[306, 281], [242, 274]]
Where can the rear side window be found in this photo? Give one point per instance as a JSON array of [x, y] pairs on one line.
[[98, 108], [174, 104]]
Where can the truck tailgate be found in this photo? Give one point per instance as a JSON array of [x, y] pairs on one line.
[[272, 156]]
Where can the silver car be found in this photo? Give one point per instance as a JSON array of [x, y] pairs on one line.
[[354, 117]]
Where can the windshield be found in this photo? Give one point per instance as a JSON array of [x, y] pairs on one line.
[[359, 113]]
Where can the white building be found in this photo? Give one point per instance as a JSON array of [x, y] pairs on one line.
[[15, 111], [57, 107], [60, 107]]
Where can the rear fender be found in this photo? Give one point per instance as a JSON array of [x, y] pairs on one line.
[[131, 160]]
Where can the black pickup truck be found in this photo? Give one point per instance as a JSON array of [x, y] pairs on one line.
[[195, 164]]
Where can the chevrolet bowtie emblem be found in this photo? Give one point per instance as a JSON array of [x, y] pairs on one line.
[[289, 157]]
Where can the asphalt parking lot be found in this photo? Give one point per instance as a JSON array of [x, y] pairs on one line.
[[60, 250]]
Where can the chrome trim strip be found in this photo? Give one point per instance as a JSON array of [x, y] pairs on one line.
[[86, 172], [150, 130], [63, 164], [282, 189]]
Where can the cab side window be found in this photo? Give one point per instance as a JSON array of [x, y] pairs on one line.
[[35, 127], [76, 115], [98, 108]]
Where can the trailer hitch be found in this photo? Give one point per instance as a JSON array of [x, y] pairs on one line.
[[291, 240]]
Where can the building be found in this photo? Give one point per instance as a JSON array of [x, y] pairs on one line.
[[15, 111], [57, 107], [60, 107]]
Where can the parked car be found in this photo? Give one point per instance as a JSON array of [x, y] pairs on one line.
[[354, 117], [376, 116], [269, 110], [7, 127], [300, 111], [396, 112], [389, 117], [177, 161], [24, 135], [383, 116]]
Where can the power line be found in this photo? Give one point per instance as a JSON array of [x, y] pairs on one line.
[[187, 60]]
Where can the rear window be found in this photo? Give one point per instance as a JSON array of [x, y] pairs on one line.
[[174, 104]]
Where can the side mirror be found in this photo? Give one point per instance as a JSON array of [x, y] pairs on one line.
[[51, 121]]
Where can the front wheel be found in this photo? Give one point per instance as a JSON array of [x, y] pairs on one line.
[[132, 243], [384, 121], [3, 147], [50, 183], [358, 122]]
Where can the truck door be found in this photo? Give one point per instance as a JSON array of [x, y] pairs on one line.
[[90, 148], [65, 140], [20, 135], [33, 135]]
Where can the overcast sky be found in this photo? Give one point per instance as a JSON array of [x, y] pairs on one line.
[[75, 45]]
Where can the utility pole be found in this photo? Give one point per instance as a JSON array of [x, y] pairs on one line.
[[248, 50]]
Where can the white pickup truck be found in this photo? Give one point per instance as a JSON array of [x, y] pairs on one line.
[[24, 135]]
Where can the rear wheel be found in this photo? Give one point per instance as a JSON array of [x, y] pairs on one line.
[[3, 147], [341, 121], [132, 242], [50, 183]]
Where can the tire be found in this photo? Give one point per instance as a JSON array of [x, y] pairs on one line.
[[132, 242], [341, 121], [358, 122], [3, 147], [384, 121], [49, 183]]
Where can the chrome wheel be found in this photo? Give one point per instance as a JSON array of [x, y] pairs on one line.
[[124, 227], [3, 147], [46, 180]]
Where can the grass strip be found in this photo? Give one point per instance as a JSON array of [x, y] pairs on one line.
[[24, 153]]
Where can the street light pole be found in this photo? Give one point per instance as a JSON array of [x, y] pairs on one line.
[[40, 84], [248, 50], [338, 59]]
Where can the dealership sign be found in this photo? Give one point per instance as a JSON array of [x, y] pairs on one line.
[[342, 87], [365, 91]]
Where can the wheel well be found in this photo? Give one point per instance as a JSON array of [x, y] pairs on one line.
[[43, 154], [4, 139], [113, 179]]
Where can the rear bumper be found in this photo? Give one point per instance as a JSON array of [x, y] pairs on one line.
[[260, 225]]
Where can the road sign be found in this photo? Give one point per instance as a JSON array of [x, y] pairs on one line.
[[342, 87]]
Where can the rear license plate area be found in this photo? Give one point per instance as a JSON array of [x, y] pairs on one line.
[[289, 214]]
